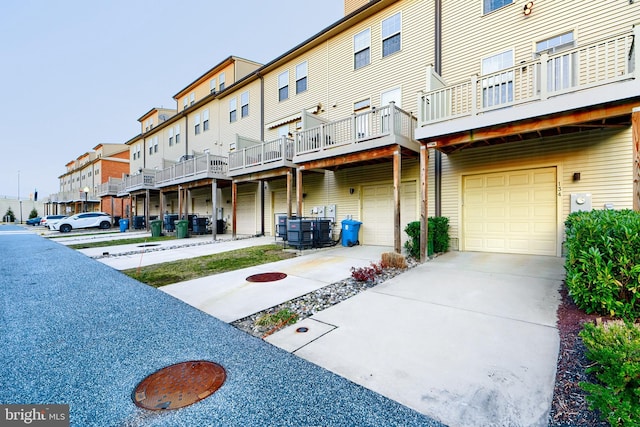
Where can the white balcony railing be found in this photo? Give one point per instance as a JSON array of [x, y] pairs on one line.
[[277, 150], [144, 179], [111, 187], [368, 125], [583, 67], [197, 167]]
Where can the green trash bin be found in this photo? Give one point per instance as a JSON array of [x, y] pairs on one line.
[[156, 228], [182, 229]]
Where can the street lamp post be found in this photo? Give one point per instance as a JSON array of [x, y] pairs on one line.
[[86, 199]]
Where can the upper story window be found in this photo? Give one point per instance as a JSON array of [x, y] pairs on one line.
[[561, 69], [177, 134], [192, 98], [185, 102], [362, 49], [205, 120], [491, 5], [391, 29], [301, 77], [196, 121], [497, 87], [233, 110], [221, 78], [360, 105], [170, 137], [212, 85], [283, 86], [244, 104], [155, 144]]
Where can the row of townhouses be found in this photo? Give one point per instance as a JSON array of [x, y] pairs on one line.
[[502, 115]]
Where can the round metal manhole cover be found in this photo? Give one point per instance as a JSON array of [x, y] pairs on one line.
[[266, 277], [148, 245], [179, 385]]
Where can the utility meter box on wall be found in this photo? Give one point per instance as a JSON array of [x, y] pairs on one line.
[[580, 202]]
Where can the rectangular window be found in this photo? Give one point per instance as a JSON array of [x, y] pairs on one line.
[[360, 105], [491, 5], [151, 146], [221, 78], [170, 137], [196, 121], [497, 87], [155, 144], [362, 49], [244, 104], [233, 110], [301, 77], [283, 86], [212, 85], [192, 98], [391, 28], [561, 70], [185, 102], [177, 134], [205, 120]]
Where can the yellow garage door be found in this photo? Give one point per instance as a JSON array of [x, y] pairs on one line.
[[246, 214], [511, 212], [377, 212]]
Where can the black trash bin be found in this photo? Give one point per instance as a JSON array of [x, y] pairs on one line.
[[199, 225]]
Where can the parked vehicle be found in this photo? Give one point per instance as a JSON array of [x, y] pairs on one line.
[[34, 221], [47, 220], [83, 220]]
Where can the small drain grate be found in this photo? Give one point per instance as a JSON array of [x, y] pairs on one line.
[[266, 277], [179, 385]]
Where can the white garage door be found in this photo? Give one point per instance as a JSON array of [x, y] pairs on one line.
[[246, 214], [511, 212], [377, 212]]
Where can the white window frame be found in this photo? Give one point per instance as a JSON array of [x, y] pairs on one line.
[[561, 71], [177, 134], [233, 110], [361, 43], [196, 124], [212, 85], [222, 81], [302, 72], [170, 136], [391, 31], [283, 83], [244, 102], [192, 98], [185, 103], [205, 120]]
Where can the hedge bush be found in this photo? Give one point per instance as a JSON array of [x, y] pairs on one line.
[[615, 350], [437, 236], [603, 262]]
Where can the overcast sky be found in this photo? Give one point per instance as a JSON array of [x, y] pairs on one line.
[[77, 73]]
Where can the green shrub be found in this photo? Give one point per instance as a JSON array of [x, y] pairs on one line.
[[9, 215], [437, 236], [615, 350], [603, 262], [33, 213]]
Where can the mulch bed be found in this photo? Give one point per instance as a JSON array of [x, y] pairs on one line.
[[569, 406]]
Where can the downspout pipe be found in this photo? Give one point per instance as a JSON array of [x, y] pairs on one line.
[[438, 69], [261, 183]]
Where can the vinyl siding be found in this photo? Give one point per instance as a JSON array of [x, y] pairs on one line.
[[468, 36], [604, 159]]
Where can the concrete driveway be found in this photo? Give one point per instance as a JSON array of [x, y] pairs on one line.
[[469, 339]]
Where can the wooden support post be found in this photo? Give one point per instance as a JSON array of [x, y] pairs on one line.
[[214, 209], [289, 192], [299, 190], [397, 183], [424, 209], [234, 208], [635, 131]]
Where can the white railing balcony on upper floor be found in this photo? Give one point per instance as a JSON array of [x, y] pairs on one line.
[[378, 127], [548, 76], [109, 188], [193, 168], [261, 156], [144, 179]]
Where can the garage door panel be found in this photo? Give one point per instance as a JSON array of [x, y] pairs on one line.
[[246, 214], [513, 212], [378, 212]]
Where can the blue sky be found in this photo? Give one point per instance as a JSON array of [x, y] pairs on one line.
[[77, 73]]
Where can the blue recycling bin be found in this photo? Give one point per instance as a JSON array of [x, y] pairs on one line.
[[124, 225], [350, 230]]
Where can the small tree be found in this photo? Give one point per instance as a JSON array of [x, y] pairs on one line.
[[10, 215], [34, 213]]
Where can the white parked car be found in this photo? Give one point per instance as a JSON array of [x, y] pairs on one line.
[[83, 220], [47, 220]]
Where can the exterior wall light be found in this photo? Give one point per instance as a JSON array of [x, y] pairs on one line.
[[527, 8]]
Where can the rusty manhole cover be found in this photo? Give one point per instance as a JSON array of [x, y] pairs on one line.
[[266, 277], [179, 385]]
